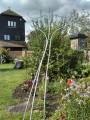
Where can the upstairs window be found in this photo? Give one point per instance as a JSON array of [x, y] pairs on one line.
[[11, 24], [8, 23], [14, 24], [6, 37]]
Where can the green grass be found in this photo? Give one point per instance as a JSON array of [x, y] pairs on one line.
[[10, 78]]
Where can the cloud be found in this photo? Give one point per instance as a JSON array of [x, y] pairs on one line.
[[7, 1], [33, 7], [23, 2], [85, 5]]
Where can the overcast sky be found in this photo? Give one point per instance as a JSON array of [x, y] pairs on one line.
[[33, 7]]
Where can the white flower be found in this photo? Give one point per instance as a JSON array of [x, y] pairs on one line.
[[88, 88], [84, 95], [88, 92], [71, 87], [65, 96], [77, 99], [77, 91], [80, 101], [78, 86], [83, 85], [61, 81], [66, 89], [68, 100]]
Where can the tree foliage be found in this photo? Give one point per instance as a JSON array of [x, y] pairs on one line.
[[4, 55], [64, 62]]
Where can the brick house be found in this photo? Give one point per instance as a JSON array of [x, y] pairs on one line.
[[12, 33]]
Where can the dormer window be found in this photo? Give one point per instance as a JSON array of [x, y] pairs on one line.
[[11, 24]]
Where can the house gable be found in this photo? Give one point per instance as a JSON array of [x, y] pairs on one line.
[[12, 26], [12, 30]]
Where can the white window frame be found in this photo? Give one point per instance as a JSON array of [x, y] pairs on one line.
[[8, 23], [6, 37], [12, 24]]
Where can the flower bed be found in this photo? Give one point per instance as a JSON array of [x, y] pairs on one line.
[[22, 91]]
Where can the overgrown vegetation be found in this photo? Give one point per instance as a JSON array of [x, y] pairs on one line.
[[4, 56], [63, 101], [10, 78], [64, 63]]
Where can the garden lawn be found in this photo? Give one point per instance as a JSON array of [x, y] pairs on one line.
[[10, 78]]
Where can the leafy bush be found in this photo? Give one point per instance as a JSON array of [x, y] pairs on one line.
[[67, 65], [5, 54], [27, 61]]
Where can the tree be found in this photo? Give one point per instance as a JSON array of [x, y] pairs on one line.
[[64, 62]]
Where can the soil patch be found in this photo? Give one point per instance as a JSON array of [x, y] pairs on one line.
[[22, 96], [22, 91], [19, 93], [17, 109]]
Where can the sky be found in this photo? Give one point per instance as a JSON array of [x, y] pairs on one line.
[[31, 8]]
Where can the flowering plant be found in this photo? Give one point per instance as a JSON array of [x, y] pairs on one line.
[[76, 99], [26, 85], [80, 91], [70, 81]]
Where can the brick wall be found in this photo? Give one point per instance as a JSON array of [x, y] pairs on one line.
[[15, 54]]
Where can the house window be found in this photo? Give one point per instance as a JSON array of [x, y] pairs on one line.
[[11, 24], [14, 24], [6, 37], [17, 37], [8, 23]]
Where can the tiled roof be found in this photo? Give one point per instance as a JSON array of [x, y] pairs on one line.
[[10, 12], [13, 44]]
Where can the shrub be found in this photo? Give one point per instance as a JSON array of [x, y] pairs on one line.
[[5, 54]]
